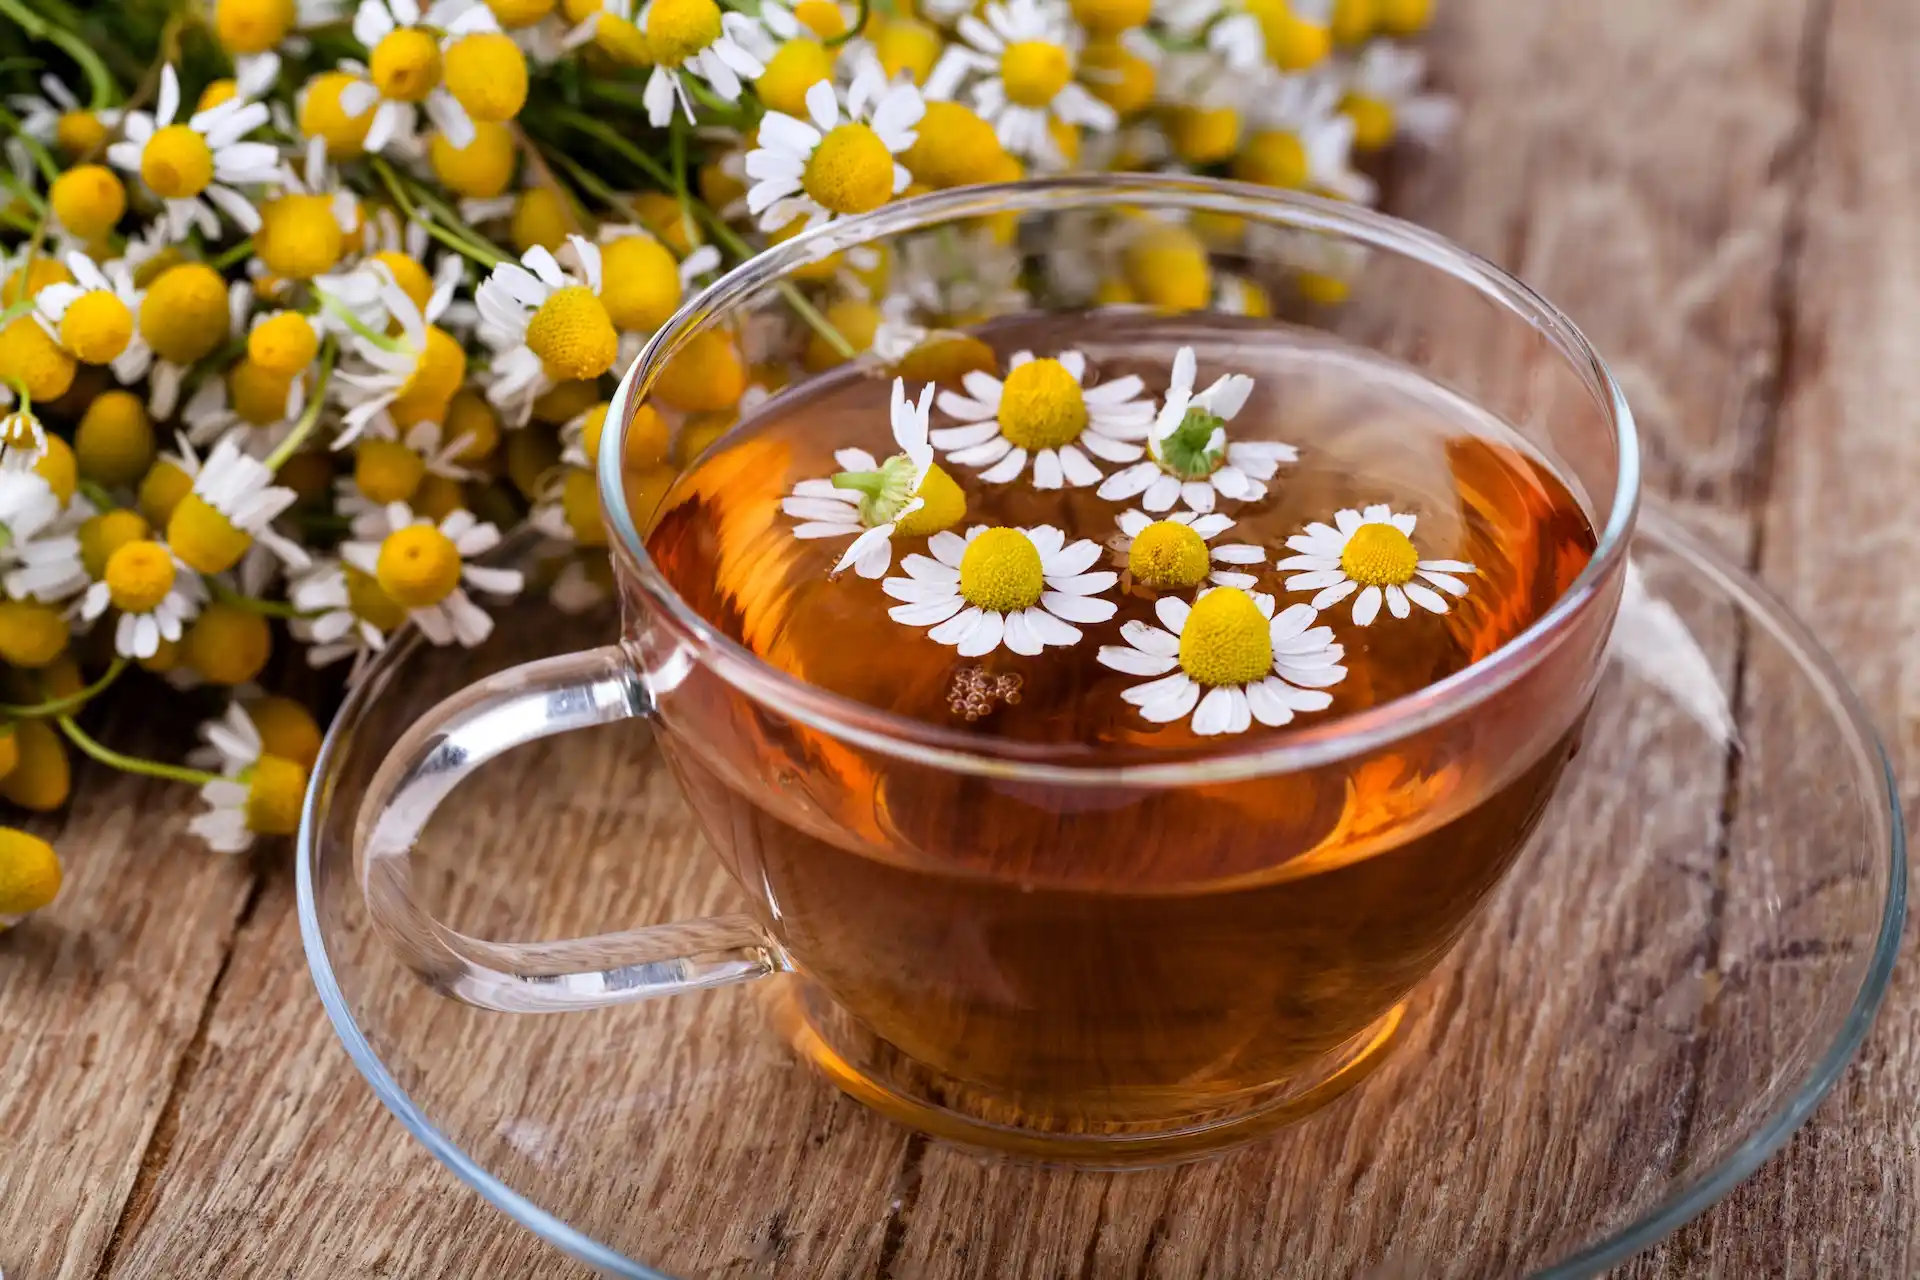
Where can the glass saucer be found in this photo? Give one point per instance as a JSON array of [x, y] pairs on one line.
[[1659, 994]]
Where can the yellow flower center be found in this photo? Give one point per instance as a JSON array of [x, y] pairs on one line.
[[284, 344], [1373, 122], [299, 237], [903, 44], [1000, 571], [794, 68], [276, 789], [259, 394], [88, 199], [469, 416], [1404, 17], [419, 566], [1318, 287], [59, 468], [216, 92], [176, 162], [538, 219], [96, 327], [438, 497], [42, 779], [1168, 556], [704, 376], [1352, 21], [945, 506], [227, 644], [387, 471], [184, 315], [678, 29], [1379, 555], [641, 283], [851, 171], [565, 401], [1169, 268], [31, 358], [162, 490], [621, 41], [29, 868], [114, 442], [952, 147], [287, 729], [1203, 135], [1041, 406], [487, 74], [1274, 158], [79, 133], [573, 335], [1226, 639], [514, 14], [322, 116], [409, 274], [139, 575], [31, 634], [203, 537], [1118, 76], [370, 601], [405, 65], [580, 503], [1111, 17], [441, 369], [1035, 71], [106, 533], [28, 281], [822, 17], [1293, 43], [252, 26]]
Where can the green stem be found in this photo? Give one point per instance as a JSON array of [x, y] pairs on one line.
[[101, 86], [14, 312], [93, 491], [859, 25], [72, 702], [304, 428], [476, 248], [132, 764], [234, 256], [253, 604], [590, 182]]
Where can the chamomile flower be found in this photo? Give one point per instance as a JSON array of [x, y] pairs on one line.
[[23, 437], [231, 743], [232, 505], [254, 404], [1370, 552], [906, 496], [263, 799], [1025, 53], [641, 283], [194, 167], [422, 363], [1042, 411], [403, 71], [93, 317], [959, 277], [1384, 101], [347, 614], [39, 555], [1249, 34], [421, 566], [305, 226], [695, 38], [387, 470], [1189, 457], [56, 116], [184, 315], [545, 324], [843, 162], [1175, 553], [1229, 661], [153, 592], [1297, 139], [1024, 588]]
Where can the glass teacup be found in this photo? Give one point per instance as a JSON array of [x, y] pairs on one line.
[[992, 940]]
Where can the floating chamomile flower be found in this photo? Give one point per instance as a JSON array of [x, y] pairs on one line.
[[906, 496], [1041, 410], [39, 554], [1026, 51], [843, 162], [189, 165], [1189, 456], [345, 614], [1370, 552], [545, 325], [1173, 552], [1229, 661], [404, 67], [153, 591], [1021, 587], [695, 38], [421, 566], [93, 317], [232, 504]]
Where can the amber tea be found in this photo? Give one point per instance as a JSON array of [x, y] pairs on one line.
[[1120, 557]]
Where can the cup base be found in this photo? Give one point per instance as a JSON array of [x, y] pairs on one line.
[[875, 1074]]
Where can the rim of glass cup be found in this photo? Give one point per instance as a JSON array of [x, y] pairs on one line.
[[1873, 772], [1308, 747]]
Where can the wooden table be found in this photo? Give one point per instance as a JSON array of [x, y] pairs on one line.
[[1723, 194]]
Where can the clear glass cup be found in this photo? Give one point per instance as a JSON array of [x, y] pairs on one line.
[[1083, 1017]]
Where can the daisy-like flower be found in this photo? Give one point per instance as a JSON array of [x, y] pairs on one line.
[[55, 115], [1025, 588], [347, 615], [423, 359], [1025, 52], [843, 162], [695, 38], [1370, 552], [257, 794], [642, 285], [153, 592], [1384, 100], [1188, 455], [1298, 139], [23, 437], [194, 167], [545, 324], [257, 407], [1042, 411], [961, 277], [1229, 661], [306, 224], [421, 567], [1174, 552], [232, 742], [93, 317], [402, 72], [232, 505], [907, 495], [39, 556], [1250, 34], [385, 470]]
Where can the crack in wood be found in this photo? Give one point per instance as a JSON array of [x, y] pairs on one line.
[[906, 1191]]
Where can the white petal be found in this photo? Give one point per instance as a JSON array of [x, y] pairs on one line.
[[1175, 700], [1069, 561], [1445, 581], [947, 547], [1334, 594], [984, 636], [1008, 468], [1172, 612], [1427, 598], [1046, 469], [1134, 662], [926, 612], [1078, 471], [1020, 635], [1076, 608], [1367, 607], [954, 629]]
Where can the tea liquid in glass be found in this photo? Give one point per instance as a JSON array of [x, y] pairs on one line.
[[1087, 959]]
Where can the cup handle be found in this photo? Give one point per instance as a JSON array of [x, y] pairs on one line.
[[517, 706]]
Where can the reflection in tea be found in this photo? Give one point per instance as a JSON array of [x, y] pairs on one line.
[[1095, 960]]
